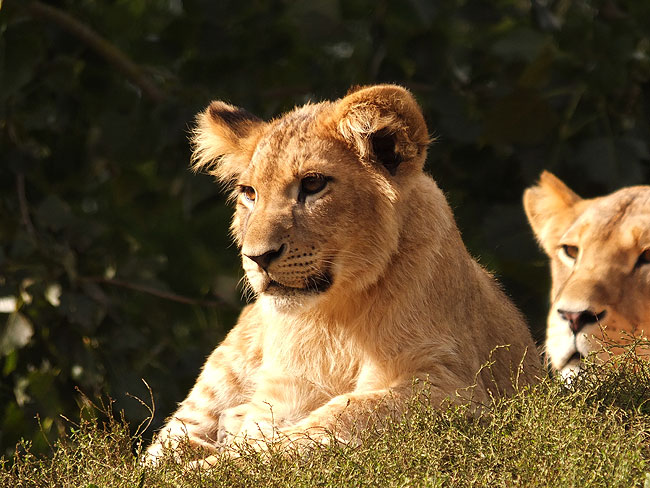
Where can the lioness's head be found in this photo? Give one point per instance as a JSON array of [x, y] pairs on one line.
[[318, 190], [600, 264]]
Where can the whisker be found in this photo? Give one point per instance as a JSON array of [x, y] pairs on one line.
[[346, 253], [342, 252], [247, 291]]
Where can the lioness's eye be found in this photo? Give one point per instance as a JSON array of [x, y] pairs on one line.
[[644, 258], [312, 184], [249, 192], [571, 251]]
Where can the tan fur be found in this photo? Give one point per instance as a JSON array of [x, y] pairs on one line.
[[405, 300], [607, 278]]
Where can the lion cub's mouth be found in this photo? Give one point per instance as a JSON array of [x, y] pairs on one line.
[[315, 284]]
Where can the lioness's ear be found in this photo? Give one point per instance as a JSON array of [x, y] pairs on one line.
[[550, 208], [384, 124], [224, 139]]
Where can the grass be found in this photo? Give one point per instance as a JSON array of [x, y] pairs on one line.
[[594, 432]]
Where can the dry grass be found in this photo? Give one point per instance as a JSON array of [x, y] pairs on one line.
[[594, 432]]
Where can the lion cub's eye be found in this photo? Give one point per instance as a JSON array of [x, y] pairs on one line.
[[644, 258], [312, 184], [571, 251], [249, 192]]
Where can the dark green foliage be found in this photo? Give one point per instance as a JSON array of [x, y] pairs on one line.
[[118, 258]]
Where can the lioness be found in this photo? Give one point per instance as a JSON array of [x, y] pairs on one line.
[[599, 250], [361, 278]]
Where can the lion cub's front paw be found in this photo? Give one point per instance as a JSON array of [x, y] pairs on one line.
[[256, 430], [244, 421], [230, 423], [248, 424]]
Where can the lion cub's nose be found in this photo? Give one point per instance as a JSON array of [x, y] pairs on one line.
[[265, 259], [577, 320]]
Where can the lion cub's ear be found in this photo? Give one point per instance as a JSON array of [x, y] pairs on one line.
[[384, 124], [224, 139], [551, 208]]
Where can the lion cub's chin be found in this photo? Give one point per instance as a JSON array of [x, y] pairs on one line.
[[288, 303], [288, 298]]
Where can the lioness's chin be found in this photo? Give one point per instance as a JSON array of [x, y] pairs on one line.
[[570, 371]]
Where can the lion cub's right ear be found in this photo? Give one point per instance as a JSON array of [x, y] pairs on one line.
[[551, 208], [384, 124], [224, 139]]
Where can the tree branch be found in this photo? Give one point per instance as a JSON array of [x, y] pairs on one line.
[[154, 291], [104, 48], [22, 203]]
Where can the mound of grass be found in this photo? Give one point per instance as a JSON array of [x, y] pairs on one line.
[[593, 432]]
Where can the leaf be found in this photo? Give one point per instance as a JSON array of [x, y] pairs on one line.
[[42, 389], [536, 74], [454, 122], [23, 246], [11, 361], [23, 51], [54, 213], [17, 333], [8, 304], [611, 162], [596, 157], [79, 309], [521, 117], [53, 294], [520, 44]]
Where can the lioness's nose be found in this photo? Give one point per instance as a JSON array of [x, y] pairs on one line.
[[577, 320], [265, 259]]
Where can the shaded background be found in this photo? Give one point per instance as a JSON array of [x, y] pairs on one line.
[[115, 263]]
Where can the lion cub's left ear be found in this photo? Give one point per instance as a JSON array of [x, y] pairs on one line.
[[384, 124], [224, 139], [551, 208]]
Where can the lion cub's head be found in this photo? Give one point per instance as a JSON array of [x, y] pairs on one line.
[[600, 263], [319, 191]]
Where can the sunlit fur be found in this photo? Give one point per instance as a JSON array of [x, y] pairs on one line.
[[611, 233], [405, 300]]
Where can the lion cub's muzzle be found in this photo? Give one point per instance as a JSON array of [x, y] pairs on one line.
[[264, 260], [289, 269]]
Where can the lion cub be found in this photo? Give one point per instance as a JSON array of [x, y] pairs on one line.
[[600, 267], [361, 277]]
